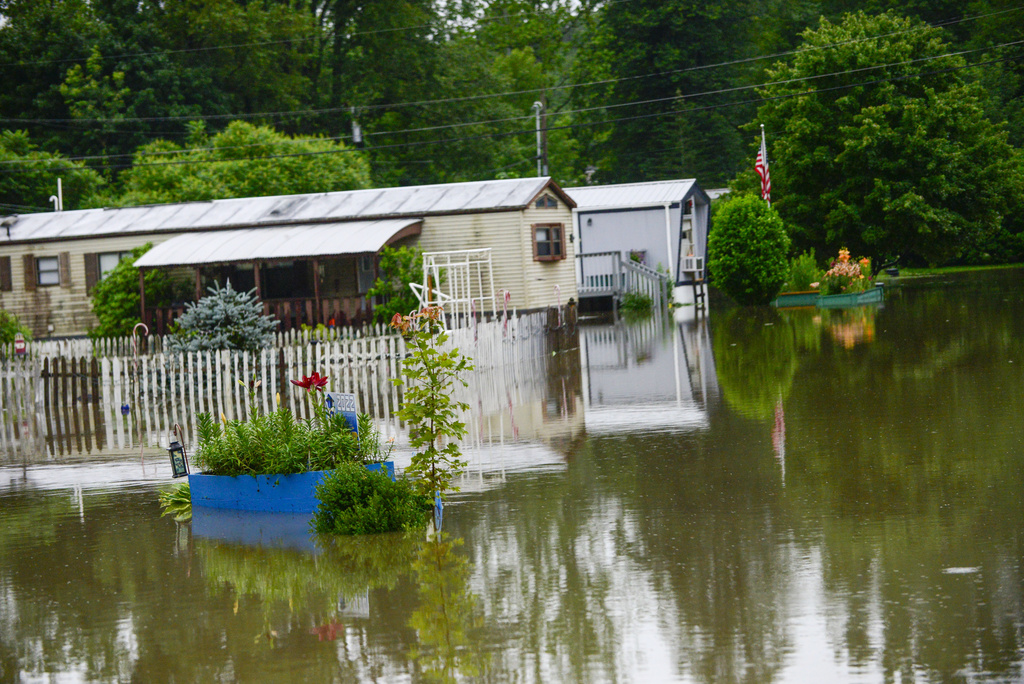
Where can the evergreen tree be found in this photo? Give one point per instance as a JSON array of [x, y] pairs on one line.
[[224, 319]]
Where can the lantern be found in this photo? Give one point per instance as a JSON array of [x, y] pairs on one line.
[[179, 461]]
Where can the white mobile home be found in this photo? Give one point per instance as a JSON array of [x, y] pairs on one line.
[[311, 257]]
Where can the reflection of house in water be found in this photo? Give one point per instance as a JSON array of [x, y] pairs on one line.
[[656, 375], [525, 414]]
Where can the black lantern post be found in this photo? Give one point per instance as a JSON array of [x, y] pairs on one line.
[[179, 459]]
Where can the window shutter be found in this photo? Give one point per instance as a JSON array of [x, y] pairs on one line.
[[5, 274], [29, 263], [64, 263], [92, 271]]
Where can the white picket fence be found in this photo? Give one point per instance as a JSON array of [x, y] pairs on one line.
[[154, 344], [61, 404]]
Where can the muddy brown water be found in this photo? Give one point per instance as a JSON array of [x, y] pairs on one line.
[[773, 496]]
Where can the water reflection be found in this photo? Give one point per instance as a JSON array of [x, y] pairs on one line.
[[448, 621], [607, 540], [654, 374], [304, 593]]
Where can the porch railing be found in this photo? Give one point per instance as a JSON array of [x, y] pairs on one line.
[[292, 313], [609, 274]]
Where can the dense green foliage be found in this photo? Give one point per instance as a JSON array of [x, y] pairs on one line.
[[636, 304], [277, 443], [354, 500], [176, 501], [224, 319], [431, 372], [397, 268], [116, 299], [747, 250], [879, 138], [223, 165], [803, 273], [35, 182], [907, 166], [11, 326]]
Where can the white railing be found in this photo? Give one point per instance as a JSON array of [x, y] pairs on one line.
[[608, 273]]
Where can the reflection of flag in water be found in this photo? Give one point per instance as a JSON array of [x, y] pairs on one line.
[[779, 436]]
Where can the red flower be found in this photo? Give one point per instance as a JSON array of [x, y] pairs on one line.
[[311, 382]]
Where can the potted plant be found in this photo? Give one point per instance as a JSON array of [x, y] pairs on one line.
[[273, 462], [801, 288], [848, 282]]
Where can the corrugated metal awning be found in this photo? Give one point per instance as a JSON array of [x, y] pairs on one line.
[[281, 243]]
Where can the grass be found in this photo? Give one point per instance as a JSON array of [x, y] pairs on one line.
[[945, 270]]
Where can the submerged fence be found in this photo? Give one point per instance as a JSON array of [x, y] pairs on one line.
[[61, 405]]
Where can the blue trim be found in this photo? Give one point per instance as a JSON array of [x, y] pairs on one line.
[[294, 493]]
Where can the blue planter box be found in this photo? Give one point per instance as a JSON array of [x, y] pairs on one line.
[[275, 493]]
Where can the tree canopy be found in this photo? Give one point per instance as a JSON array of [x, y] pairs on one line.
[[881, 144], [241, 161], [139, 93]]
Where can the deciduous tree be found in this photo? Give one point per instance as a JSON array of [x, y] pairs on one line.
[[879, 143]]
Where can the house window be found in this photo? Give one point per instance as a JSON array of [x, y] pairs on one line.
[[108, 260], [547, 202], [548, 241], [47, 271]]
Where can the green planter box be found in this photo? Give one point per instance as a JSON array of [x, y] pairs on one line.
[[872, 296], [788, 299]]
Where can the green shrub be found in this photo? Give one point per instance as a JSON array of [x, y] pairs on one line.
[[354, 500], [115, 299], [636, 303], [747, 250], [11, 326], [804, 273], [397, 268]]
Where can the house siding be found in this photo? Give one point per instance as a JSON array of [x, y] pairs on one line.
[[509, 235], [65, 306]]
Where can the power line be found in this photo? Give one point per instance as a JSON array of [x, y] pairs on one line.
[[470, 98], [684, 110], [688, 96]]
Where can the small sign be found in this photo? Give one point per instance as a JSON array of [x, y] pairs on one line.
[[19, 344], [344, 404]]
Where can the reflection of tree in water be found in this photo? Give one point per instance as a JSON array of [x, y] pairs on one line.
[[447, 617], [755, 359], [317, 584], [903, 445]]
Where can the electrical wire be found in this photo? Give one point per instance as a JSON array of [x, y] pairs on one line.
[[468, 98], [576, 125], [555, 114]]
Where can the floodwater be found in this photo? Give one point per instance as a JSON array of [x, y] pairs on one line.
[[773, 496]]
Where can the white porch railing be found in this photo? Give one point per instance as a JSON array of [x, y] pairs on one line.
[[609, 274]]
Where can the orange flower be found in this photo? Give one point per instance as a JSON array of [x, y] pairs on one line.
[[844, 255]]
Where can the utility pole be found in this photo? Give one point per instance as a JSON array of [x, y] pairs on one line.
[[538, 107]]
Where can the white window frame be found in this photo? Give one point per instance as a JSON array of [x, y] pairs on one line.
[[48, 276]]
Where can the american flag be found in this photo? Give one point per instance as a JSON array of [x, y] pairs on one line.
[[761, 167]]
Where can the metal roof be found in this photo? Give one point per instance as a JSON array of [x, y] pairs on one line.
[[630, 194], [277, 243], [419, 201]]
